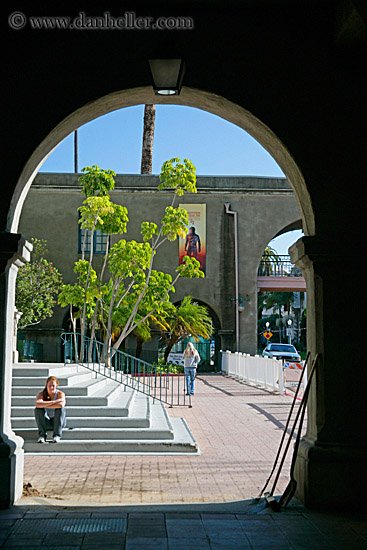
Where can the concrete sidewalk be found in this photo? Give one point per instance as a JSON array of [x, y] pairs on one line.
[[178, 502], [177, 527]]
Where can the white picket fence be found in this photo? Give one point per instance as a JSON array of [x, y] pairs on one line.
[[260, 371]]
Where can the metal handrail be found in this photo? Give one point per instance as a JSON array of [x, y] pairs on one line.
[[157, 382], [278, 266]]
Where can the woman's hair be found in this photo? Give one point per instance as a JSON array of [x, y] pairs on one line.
[[45, 394], [190, 349]]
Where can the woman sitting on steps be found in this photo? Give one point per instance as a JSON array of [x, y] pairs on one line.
[[50, 411]]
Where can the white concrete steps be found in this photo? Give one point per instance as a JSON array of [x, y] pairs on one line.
[[36, 376], [65, 380], [182, 442], [134, 411], [101, 398], [108, 447], [20, 422], [158, 427], [102, 416], [43, 370], [101, 434], [87, 387]]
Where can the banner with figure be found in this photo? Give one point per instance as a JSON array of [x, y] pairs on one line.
[[194, 244]]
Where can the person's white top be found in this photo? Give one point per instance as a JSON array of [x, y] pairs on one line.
[[191, 360]]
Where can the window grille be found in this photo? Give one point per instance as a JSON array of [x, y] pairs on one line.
[[100, 241]]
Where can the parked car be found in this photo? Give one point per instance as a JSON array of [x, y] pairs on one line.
[[281, 351]]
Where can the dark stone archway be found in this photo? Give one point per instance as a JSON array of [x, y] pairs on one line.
[[289, 74]]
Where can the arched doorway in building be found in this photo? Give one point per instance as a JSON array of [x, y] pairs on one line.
[[190, 97], [281, 293], [208, 348]]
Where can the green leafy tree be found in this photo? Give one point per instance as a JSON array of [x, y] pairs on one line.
[[96, 181], [143, 334], [189, 318], [134, 291], [176, 323], [38, 284], [99, 213], [276, 301]]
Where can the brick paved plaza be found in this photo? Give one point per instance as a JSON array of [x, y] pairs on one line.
[[179, 502], [238, 429]]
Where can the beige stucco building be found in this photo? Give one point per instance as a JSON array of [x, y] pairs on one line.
[[265, 207]]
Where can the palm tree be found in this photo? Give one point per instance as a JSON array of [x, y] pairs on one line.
[[143, 334], [189, 318], [269, 260], [148, 136]]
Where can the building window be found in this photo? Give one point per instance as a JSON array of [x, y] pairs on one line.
[[100, 241]]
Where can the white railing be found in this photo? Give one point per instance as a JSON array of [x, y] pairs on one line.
[[259, 371]]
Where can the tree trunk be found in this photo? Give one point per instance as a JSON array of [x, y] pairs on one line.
[[139, 346], [148, 135], [172, 341]]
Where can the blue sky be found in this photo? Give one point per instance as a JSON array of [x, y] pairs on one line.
[[214, 145]]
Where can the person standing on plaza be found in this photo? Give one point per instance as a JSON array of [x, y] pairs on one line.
[[191, 361], [50, 411]]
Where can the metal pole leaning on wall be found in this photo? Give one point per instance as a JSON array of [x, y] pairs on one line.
[[228, 211]]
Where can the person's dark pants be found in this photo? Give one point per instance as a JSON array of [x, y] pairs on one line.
[[57, 423]]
